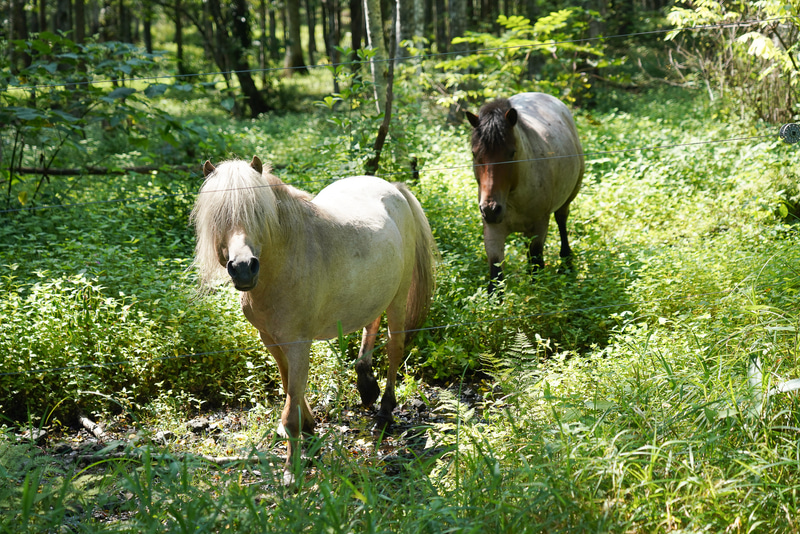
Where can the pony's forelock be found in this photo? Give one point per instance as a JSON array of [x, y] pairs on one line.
[[493, 130], [233, 196]]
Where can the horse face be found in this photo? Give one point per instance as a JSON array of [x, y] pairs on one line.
[[240, 258], [493, 161]]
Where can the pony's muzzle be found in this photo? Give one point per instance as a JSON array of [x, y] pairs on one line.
[[244, 273], [492, 212]]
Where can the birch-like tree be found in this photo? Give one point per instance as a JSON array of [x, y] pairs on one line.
[[376, 41]]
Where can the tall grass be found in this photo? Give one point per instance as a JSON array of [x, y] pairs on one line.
[[619, 396]]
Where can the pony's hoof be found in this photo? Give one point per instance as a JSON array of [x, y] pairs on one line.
[[288, 479], [369, 391], [382, 423]]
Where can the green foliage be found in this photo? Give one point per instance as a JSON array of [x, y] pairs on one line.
[[546, 56], [55, 110], [618, 392], [753, 65]]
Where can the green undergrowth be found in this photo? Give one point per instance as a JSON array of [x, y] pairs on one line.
[[630, 390]]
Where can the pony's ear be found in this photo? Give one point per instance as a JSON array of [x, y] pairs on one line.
[[511, 116], [208, 168], [256, 164], [473, 119]]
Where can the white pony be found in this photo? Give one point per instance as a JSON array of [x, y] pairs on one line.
[[306, 265]]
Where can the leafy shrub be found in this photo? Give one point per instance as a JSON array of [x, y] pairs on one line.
[[54, 112], [751, 65], [543, 56]]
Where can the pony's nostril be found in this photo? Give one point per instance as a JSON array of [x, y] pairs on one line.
[[253, 266], [491, 212], [230, 268]]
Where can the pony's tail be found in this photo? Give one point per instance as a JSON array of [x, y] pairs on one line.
[[423, 283]]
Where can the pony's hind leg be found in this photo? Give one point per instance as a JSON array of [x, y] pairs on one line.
[[367, 384], [566, 252], [396, 318], [561, 216]]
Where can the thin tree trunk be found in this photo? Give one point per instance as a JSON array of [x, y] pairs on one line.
[[356, 28], [179, 37], [372, 165], [262, 44], [376, 41], [19, 30], [332, 36], [311, 17], [42, 15], [274, 49], [441, 26], [294, 61], [147, 26]]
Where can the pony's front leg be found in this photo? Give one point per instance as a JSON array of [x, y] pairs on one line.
[[294, 416], [494, 240], [367, 384], [536, 249], [283, 367]]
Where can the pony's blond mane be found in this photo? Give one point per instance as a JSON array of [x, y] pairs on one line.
[[236, 196]]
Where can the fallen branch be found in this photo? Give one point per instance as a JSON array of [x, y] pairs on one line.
[[218, 460], [91, 426]]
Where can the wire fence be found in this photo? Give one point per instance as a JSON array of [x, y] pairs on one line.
[[413, 57], [764, 137], [719, 295], [518, 317]]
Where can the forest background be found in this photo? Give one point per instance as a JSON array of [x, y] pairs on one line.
[[648, 387]]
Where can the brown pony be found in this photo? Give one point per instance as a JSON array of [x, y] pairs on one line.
[[528, 162]]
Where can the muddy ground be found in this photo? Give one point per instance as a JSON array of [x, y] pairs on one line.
[[215, 436]]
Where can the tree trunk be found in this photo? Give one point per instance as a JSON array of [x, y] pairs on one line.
[[440, 23], [262, 43], [376, 41], [274, 49], [311, 17], [179, 37], [61, 21], [356, 28], [19, 30], [331, 34], [458, 24], [147, 26], [294, 61], [42, 15], [372, 165], [124, 23], [234, 53], [406, 24]]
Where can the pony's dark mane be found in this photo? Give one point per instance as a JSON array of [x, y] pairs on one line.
[[493, 131]]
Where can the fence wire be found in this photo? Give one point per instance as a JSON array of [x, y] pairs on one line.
[[477, 322], [413, 57], [627, 304]]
